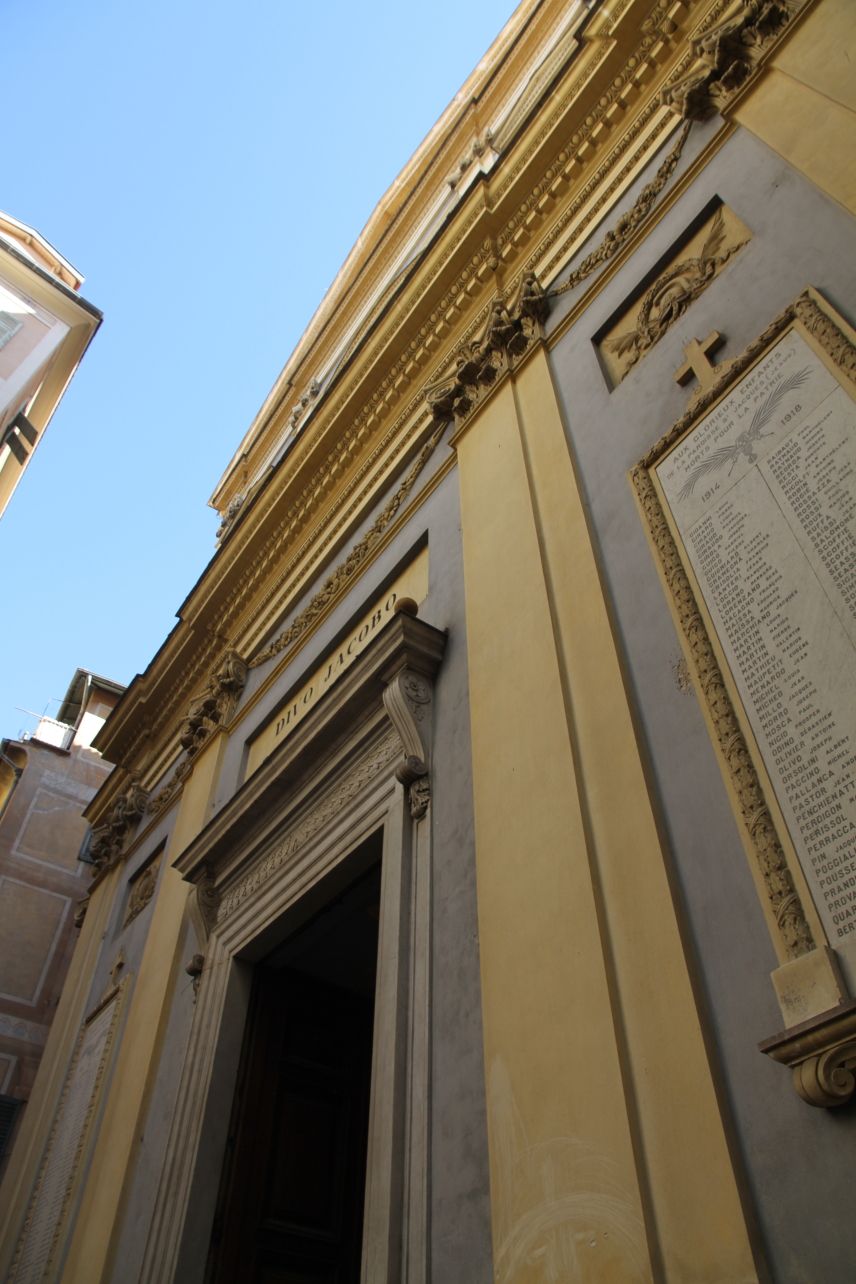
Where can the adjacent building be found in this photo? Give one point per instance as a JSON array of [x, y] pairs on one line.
[[45, 328], [474, 892], [46, 780]]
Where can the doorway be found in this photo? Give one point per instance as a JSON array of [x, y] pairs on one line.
[[290, 1209]]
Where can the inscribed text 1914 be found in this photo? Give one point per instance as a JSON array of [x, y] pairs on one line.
[[762, 492]]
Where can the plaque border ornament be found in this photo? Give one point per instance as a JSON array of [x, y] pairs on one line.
[[820, 1051]]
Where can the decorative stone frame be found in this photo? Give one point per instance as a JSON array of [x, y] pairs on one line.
[[43, 1237], [820, 1050], [295, 822]]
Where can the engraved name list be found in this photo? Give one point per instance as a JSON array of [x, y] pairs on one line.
[[762, 492]]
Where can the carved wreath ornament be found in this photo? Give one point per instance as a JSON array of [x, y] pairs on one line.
[[672, 293]]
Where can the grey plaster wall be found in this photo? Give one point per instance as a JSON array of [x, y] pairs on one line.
[[797, 1161]]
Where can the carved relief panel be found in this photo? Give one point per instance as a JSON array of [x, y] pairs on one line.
[[677, 282]]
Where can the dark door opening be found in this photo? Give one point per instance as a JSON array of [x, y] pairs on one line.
[[291, 1201]]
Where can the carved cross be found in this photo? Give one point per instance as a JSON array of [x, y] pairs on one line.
[[698, 364]]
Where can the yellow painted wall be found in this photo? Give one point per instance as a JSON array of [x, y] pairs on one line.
[[804, 106], [112, 1165], [39, 1116], [597, 1074]]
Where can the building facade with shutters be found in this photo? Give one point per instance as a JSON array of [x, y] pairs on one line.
[[474, 893]]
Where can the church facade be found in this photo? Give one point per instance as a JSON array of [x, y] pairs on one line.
[[474, 896]]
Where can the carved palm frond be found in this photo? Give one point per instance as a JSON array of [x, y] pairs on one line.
[[622, 343], [715, 238], [768, 406]]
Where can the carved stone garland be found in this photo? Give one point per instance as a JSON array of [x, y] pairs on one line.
[[338, 580], [209, 710], [206, 713], [787, 908], [629, 222]]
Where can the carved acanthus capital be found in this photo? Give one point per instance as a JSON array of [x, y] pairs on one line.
[[726, 56], [108, 838], [821, 1054], [407, 699], [215, 705], [509, 332]]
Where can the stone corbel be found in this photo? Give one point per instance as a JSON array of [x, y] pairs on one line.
[[821, 1054], [407, 699], [509, 332], [204, 905], [726, 56], [216, 704], [108, 839]]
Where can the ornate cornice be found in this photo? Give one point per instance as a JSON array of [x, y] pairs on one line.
[[287, 530], [266, 820], [348, 787]]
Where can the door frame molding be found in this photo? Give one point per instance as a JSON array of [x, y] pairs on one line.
[[359, 762]]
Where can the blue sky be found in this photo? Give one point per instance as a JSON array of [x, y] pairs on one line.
[[207, 167]]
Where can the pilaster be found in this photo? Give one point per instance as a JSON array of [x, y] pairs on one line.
[[585, 981], [112, 1164]]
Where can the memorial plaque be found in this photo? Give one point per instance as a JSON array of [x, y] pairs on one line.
[[40, 1242], [760, 493]]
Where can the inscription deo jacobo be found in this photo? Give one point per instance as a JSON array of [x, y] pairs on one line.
[[413, 583]]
